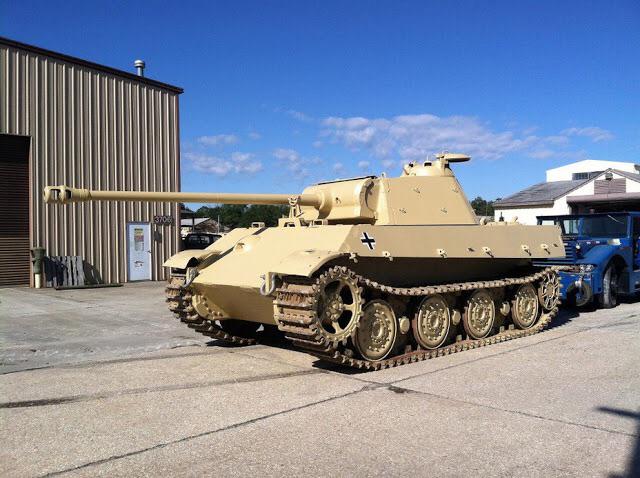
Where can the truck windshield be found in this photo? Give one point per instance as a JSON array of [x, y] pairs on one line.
[[604, 226], [570, 227]]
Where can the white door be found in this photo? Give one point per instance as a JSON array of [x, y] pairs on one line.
[[139, 250]]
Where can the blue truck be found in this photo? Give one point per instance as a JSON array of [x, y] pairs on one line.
[[602, 256]]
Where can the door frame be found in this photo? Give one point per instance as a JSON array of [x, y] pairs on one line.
[[31, 186], [129, 254]]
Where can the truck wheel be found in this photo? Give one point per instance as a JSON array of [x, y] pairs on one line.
[[609, 297]]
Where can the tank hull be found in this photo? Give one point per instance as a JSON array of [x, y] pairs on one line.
[[400, 256]]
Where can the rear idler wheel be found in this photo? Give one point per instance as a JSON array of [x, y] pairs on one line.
[[525, 307], [549, 291], [432, 322], [479, 317], [377, 331]]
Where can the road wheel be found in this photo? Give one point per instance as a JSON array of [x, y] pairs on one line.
[[479, 316], [609, 297], [432, 322], [525, 307], [377, 330]]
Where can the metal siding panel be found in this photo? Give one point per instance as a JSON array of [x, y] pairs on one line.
[[4, 84], [92, 129]]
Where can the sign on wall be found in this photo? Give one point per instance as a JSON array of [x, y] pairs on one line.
[[163, 220]]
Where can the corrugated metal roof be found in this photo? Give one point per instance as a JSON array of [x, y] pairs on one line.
[[96, 66], [626, 174], [543, 194], [540, 194]]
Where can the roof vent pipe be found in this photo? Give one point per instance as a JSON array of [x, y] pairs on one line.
[[139, 64]]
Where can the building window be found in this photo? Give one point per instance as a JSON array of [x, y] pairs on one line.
[[589, 175]]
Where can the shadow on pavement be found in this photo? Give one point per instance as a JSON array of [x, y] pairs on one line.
[[629, 299], [273, 338], [633, 469], [268, 337], [565, 315]]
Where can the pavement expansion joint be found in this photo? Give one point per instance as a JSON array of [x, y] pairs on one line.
[[164, 388], [515, 412], [204, 434], [329, 369], [617, 324], [98, 363]]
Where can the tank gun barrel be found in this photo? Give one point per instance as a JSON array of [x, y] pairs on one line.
[[65, 195]]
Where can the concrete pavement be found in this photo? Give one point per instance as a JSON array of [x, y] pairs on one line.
[[121, 392]]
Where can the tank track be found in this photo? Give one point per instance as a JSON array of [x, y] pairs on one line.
[[296, 305], [179, 302]]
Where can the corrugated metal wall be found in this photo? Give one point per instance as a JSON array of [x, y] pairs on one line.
[[92, 129]]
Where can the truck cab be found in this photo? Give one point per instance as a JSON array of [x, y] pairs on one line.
[[602, 256]]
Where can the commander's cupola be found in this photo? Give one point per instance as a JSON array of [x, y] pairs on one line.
[[436, 167]]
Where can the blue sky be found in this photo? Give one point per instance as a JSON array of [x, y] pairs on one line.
[[281, 94]]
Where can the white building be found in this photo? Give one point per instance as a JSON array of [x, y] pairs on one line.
[[585, 186]]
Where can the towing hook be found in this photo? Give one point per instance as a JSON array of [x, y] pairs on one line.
[[191, 274], [269, 284]]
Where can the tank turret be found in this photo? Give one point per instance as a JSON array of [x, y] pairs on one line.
[[425, 193]]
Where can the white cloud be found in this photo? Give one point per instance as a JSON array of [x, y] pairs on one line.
[[364, 164], [416, 137], [542, 153], [293, 162], [254, 135], [298, 165], [413, 137], [299, 115], [218, 139], [289, 155], [236, 163], [295, 114], [572, 155], [557, 140], [318, 144], [338, 167], [595, 133]]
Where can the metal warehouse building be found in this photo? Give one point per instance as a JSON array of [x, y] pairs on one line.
[[64, 120]]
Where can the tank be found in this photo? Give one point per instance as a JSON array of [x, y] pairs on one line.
[[369, 272]]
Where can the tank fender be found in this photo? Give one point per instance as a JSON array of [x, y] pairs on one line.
[[182, 259], [306, 262]]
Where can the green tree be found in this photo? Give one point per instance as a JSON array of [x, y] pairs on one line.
[[240, 215], [263, 213], [482, 207]]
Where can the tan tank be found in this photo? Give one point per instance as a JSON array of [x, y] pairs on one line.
[[371, 271]]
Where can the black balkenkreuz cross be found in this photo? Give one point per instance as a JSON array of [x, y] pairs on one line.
[[370, 242]]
